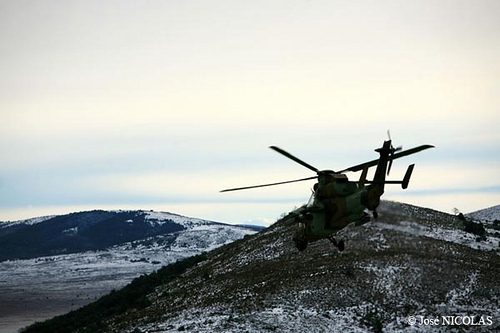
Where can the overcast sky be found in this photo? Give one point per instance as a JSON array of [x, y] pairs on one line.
[[161, 104]]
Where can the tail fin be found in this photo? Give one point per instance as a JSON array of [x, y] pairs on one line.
[[407, 176], [376, 189], [383, 160]]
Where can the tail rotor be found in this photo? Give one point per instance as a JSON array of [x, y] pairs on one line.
[[391, 154]]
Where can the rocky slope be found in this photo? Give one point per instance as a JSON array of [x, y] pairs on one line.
[[411, 264]]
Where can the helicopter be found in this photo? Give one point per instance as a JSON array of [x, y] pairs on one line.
[[336, 201]]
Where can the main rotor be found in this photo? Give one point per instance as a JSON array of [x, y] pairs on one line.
[[387, 148], [293, 158]]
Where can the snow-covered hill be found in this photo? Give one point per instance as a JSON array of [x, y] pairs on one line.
[[97, 230], [488, 214], [43, 286]]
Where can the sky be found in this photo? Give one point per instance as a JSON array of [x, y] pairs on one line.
[[161, 104]]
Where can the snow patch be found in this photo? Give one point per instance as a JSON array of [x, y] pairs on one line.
[[449, 235], [71, 231], [30, 221], [487, 214], [160, 218], [461, 294]]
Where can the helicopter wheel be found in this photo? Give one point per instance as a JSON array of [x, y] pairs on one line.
[[363, 220], [300, 237], [301, 245], [340, 245]]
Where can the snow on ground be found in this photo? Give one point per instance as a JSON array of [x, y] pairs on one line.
[[160, 218], [280, 318], [208, 236], [388, 279], [30, 221], [275, 319], [461, 294], [487, 214], [450, 235]]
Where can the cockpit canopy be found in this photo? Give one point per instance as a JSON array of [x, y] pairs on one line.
[[340, 178]]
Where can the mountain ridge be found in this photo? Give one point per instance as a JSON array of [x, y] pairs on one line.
[[88, 231]]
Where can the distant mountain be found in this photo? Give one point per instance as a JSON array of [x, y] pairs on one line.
[[70, 260], [252, 226], [411, 265], [488, 214], [90, 231]]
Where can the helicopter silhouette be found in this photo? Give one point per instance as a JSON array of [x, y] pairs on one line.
[[336, 201]]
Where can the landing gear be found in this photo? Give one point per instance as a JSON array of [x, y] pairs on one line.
[[300, 244], [375, 214], [363, 220], [339, 245], [300, 237]]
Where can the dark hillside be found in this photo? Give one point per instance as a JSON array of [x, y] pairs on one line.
[[78, 232]]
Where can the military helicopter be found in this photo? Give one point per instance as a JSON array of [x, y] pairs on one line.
[[336, 201]]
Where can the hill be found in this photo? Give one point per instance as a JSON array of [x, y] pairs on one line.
[[489, 214], [71, 260], [412, 263], [94, 230]]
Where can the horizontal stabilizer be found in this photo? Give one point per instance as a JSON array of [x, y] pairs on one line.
[[404, 182]]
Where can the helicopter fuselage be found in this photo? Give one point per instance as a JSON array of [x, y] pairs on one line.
[[331, 208]]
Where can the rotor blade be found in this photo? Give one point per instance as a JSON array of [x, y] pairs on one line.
[[293, 158], [396, 155], [272, 184]]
